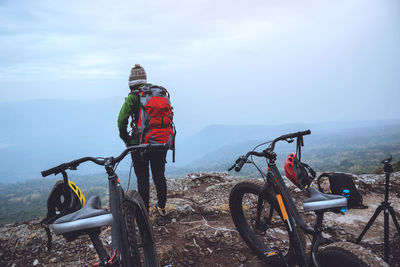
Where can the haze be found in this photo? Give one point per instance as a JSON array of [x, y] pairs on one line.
[[225, 62], [64, 70]]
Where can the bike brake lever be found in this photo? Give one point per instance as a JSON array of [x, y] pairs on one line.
[[231, 168], [236, 162]]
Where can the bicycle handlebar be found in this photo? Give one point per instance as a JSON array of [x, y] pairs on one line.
[[267, 152], [75, 163], [243, 159], [288, 136]]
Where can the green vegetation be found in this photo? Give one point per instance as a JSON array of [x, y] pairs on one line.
[[355, 151], [356, 160]]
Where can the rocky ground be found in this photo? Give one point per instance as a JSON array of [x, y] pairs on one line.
[[198, 231]]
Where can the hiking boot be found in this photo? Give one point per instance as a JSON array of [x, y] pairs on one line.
[[161, 211]]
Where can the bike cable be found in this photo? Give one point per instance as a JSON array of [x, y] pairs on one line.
[[263, 175], [116, 166], [257, 146]]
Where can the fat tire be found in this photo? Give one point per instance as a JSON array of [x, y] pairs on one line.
[[348, 254], [137, 219], [245, 230]]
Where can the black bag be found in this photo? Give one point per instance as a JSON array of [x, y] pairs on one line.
[[340, 181]]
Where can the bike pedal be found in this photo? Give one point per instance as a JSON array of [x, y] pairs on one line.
[[278, 255], [110, 262], [271, 253]]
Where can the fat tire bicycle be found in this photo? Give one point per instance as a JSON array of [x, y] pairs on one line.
[[132, 234], [266, 217]]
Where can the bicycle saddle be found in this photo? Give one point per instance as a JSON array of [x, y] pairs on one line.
[[320, 201], [90, 216]]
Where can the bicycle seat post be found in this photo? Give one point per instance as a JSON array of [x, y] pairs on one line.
[[318, 227], [98, 245]]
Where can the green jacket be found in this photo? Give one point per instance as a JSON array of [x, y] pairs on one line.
[[129, 108]]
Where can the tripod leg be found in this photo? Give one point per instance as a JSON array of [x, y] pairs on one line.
[[370, 222], [386, 234], [396, 223]]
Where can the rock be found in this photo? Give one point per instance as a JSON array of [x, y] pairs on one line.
[[242, 258], [198, 230]]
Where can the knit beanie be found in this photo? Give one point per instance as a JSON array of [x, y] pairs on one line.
[[138, 75]]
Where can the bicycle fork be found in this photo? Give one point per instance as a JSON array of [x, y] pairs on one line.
[[262, 226]]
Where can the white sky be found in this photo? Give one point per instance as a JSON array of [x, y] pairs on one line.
[[230, 62]]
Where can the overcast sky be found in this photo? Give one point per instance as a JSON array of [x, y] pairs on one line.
[[230, 62]]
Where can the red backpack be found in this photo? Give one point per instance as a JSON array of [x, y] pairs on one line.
[[155, 119]]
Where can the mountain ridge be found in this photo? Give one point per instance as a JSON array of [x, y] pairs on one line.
[[40, 134]]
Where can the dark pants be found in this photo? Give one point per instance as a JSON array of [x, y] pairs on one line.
[[156, 159]]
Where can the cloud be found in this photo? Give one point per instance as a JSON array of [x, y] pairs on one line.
[[2, 146], [242, 53]]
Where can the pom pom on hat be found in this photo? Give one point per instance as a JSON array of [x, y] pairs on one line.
[[137, 76]]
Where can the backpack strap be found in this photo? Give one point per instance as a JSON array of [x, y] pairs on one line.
[[173, 143], [45, 224], [136, 91]]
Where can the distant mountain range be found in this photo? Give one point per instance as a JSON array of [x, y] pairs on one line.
[[36, 135], [354, 147]]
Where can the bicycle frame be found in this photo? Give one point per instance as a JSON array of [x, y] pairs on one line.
[[288, 210], [119, 237], [291, 215], [120, 242], [282, 202]]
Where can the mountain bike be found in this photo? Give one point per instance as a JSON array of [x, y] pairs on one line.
[[132, 235], [266, 217]]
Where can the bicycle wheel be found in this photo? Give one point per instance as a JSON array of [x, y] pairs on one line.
[[348, 254], [271, 231], [140, 231]]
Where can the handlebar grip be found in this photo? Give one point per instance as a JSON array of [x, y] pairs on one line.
[[231, 168], [240, 164], [305, 132], [52, 170]]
